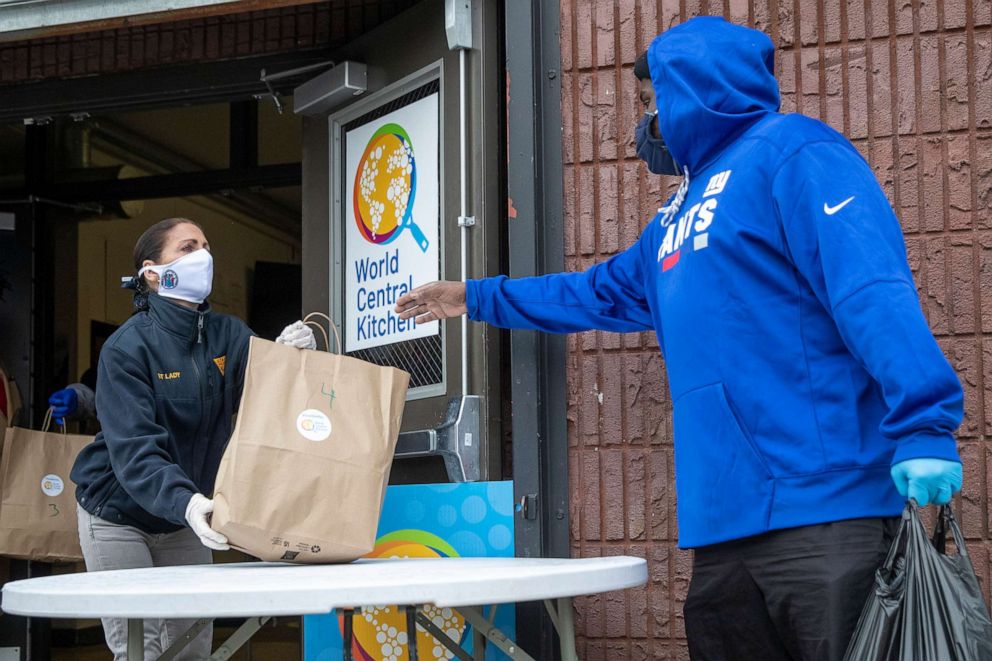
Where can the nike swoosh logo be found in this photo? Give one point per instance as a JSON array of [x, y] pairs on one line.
[[832, 210]]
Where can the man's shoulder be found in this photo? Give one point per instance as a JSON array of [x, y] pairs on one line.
[[787, 133]]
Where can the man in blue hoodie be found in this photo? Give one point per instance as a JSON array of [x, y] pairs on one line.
[[810, 398]]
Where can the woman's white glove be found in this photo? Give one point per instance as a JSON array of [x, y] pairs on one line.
[[197, 515], [298, 335]]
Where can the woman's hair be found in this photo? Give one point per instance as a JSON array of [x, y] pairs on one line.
[[149, 247]]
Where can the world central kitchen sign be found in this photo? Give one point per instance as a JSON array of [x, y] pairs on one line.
[[391, 221]]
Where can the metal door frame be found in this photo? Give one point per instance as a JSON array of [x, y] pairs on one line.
[[536, 246], [354, 110]]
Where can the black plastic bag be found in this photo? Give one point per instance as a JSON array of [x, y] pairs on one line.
[[926, 605]]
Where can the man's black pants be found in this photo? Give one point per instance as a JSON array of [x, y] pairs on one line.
[[786, 595]]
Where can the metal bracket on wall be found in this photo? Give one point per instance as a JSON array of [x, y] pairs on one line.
[[456, 440]]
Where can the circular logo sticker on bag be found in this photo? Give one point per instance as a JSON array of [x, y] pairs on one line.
[[314, 425], [52, 485]]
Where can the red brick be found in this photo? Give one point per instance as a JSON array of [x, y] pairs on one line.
[[785, 70], [683, 575], [987, 390], [639, 613], [955, 13], [583, 33], [660, 493], [879, 19], [605, 34], [927, 15], [956, 84], [649, 25], [629, 112], [634, 494], [808, 22], [982, 84], [903, 18], [565, 38], [609, 341], [568, 116], [610, 393], [959, 182], [605, 115], [631, 214], [834, 92], [627, 13], [855, 19], [616, 614], [693, 8], [612, 478], [982, 13], [905, 77], [589, 401], [584, 115], [933, 184], [985, 282], [591, 498], [972, 517], [982, 181], [881, 91], [633, 377], [929, 83], [880, 159], [586, 208], [608, 216], [964, 308], [569, 215], [738, 11], [575, 494], [786, 24], [908, 203], [659, 590], [810, 81], [856, 95], [671, 13], [965, 356]]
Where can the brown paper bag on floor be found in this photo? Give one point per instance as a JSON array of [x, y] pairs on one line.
[[305, 472], [37, 500]]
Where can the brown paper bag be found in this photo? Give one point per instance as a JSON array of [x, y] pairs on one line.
[[37, 500], [305, 472]]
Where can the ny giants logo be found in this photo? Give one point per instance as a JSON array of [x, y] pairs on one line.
[[695, 222]]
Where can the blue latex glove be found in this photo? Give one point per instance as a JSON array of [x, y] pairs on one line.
[[927, 480], [63, 402]]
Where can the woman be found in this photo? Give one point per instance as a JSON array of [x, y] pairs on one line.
[[170, 380]]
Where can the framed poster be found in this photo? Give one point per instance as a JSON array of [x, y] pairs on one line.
[[387, 237], [392, 219], [468, 519]]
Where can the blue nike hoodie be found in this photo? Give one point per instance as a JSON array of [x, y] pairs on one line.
[[800, 363]]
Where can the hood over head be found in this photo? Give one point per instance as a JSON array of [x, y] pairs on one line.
[[713, 80]]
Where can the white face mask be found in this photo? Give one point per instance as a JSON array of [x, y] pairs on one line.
[[189, 278]]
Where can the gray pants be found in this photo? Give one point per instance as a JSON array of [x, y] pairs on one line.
[[111, 546]]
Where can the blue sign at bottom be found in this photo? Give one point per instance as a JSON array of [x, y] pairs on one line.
[[424, 521]]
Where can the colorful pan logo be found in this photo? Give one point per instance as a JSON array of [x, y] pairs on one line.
[[385, 187], [380, 632]]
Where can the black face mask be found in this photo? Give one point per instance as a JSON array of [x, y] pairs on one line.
[[652, 150]]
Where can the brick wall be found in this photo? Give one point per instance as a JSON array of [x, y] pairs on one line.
[[910, 83], [325, 24]]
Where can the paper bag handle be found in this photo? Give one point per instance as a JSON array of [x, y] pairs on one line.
[[48, 421], [334, 329]]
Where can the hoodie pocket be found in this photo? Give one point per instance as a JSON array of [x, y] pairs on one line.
[[725, 490]]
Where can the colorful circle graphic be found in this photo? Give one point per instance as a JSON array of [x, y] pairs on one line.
[[385, 188], [380, 632]]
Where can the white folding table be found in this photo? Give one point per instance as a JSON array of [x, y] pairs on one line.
[[260, 591]]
